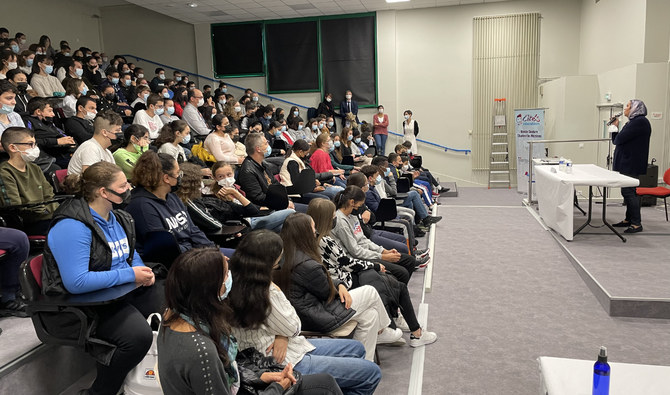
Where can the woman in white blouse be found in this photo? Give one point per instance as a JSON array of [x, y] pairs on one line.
[[263, 318], [410, 129], [220, 144]]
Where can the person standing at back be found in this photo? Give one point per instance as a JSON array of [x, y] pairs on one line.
[[380, 126], [630, 158], [348, 105]]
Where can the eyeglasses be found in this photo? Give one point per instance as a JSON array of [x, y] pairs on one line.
[[181, 174], [31, 145]]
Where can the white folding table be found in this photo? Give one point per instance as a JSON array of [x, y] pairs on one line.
[[555, 194]]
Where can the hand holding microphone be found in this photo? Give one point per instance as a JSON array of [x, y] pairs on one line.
[[614, 119]]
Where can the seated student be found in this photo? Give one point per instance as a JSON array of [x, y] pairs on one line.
[[23, 181], [305, 281], [80, 126], [89, 248], [421, 173], [16, 246], [208, 112], [233, 110], [171, 135], [158, 82], [136, 138], [264, 115], [272, 133], [25, 61], [349, 233], [154, 206], [41, 79], [73, 68], [201, 316], [74, 89], [241, 208], [142, 93], [151, 117], [8, 117], [113, 79], [19, 79], [312, 130], [249, 117], [296, 129], [283, 134], [263, 318], [169, 116], [127, 88], [356, 272], [219, 143], [336, 156], [418, 186], [108, 101], [350, 149], [92, 74], [320, 159], [107, 127], [294, 165], [52, 140]]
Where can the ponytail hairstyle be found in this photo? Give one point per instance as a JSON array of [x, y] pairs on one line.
[[169, 132], [342, 198], [296, 233], [149, 169], [98, 175]]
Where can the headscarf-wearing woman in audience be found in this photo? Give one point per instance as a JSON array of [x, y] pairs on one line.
[[91, 247], [295, 164], [171, 135], [41, 79], [354, 272], [75, 88], [349, 233], [155, 206], [196, 352], [8, 117], [264, 319], [8, 61], [220, 144], [137, 143], [320, 159], [322, 304], [25, 61]]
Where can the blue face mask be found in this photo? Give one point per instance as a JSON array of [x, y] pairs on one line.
[[358, 140], [186, 140], [268, 151], [224, 90], [127, 82], [170, 110], [331, 147], [337, 144], [29, 63], [350, 137], [115, 81], [85, 91], [299, 127], [278, 133], [387, 172], [166, 95], [159, 111], [146, 95], [330, 124], [228, 284], [15, 48], [268, 117], [78, 72], [378, 180], [6, 109], [315, 127], [49, 69], [295, 113]]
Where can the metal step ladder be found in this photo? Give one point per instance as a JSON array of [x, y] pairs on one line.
[[499, 175]]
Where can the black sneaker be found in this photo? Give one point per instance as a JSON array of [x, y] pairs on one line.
[[632, 229], [429, 220], [13, 308], [622, 224]]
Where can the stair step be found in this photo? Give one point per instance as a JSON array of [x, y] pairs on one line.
[[499, 181], [499, 153], [500, 134], [499, 163], [499, 171], [499, 143]]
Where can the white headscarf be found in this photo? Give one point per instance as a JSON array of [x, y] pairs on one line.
[[637, 108]]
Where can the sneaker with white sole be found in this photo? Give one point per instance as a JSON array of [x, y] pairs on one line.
[[389, 336], [401, 324], [422, 262], [426, 338]]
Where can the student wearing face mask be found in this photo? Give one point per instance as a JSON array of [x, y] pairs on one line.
[[296, 129], [74, 89], [320, 159], [296, 164], [142, 94], [380, 122], [127, 87], [151, 117], [158, 82], [19, 79], [233, 110], [8, 117], [108, 101], [113, 79], [52, 140], [137, 143], [8, 61], [219, 143], [80, 127], [107, 129], [169, 116], [45, 84], [25, 61], [24, 182], [155, 206], [294, 114], [327, 109], [348, 106], [171, 137]]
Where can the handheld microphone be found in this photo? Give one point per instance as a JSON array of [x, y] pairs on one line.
[[614, 118]]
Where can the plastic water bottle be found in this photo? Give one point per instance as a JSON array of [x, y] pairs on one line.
[[601, 374], [561, 164], [568, 166]]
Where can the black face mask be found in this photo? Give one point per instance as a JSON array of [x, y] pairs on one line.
[[355, 211], [236, 138], [175, 188], [125, 196], [334, 222], [22, 86], [110, 96]]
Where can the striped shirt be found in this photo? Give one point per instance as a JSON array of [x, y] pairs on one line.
[[282, 321]]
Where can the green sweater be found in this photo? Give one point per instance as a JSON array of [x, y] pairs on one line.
[[126, 161], [29, 186]]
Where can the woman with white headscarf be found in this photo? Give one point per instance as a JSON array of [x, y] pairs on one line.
[[630, 158]]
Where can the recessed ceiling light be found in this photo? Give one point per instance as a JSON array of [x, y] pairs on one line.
[[396, 1], [192, 5]]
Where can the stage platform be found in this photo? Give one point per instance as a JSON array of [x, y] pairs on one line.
[[630, 279]]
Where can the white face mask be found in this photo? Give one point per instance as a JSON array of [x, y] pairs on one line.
[[348, 97], [227, 182], [30, 154], [405, 167], [201, 102], [12, 65], [90, 115]]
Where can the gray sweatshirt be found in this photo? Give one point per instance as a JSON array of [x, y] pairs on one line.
[[349, 233]]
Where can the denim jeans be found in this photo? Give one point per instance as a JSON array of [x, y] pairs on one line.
[[340, 182], [390, 240], [272, 221], [380, 141], [413, 201], [17, 247], [344, 359], [329, 193]]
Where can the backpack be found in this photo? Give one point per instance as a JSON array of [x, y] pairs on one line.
[[199, 151]]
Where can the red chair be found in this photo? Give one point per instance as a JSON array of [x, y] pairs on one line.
[[658, 192], [57, 178]]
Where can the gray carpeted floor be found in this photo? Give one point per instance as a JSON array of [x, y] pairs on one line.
[[505, 294], [17, 338]]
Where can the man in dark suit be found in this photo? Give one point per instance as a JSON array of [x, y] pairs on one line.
[[348, 105], [630, 158]]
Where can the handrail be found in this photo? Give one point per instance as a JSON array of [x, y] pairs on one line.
[[446, 149], [211, 79]]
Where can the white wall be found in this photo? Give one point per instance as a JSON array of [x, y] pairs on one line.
[[68, 20], [657, 31]]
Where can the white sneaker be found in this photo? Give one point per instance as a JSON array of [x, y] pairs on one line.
[[426, 338], [401, 324], [389, 336]]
